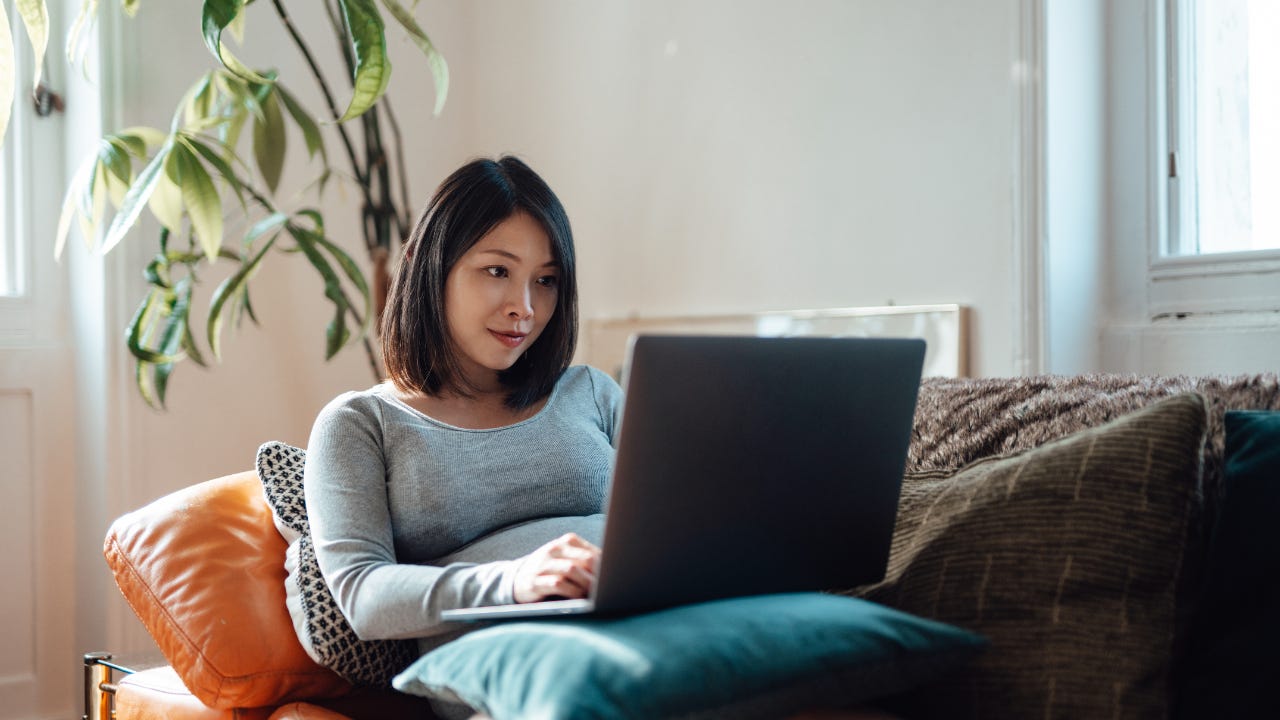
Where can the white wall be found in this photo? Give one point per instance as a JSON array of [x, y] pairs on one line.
[[742, 156]]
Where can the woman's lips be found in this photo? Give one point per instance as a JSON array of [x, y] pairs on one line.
[[511, 340]]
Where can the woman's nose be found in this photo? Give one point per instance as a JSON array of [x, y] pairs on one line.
[[520, 303]]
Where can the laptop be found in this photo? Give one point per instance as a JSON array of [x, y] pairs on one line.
[[748, 466]]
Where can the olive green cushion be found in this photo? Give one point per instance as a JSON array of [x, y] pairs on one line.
[[1068, 557]]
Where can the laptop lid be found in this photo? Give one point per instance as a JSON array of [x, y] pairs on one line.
[[751, 465]]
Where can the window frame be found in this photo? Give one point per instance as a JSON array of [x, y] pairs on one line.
[[1190, 284], [33, 316]]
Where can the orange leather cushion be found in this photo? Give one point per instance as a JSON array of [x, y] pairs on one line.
[[158, 694], [203, 568]]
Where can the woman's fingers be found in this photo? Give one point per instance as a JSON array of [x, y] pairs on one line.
[[586, 556], [562, 572], [564, 567], [574, 583], [576, 540]]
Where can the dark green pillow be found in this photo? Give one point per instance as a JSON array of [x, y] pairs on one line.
[[1230, 664], [762, 656]]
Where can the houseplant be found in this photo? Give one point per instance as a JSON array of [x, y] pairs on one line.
[[203, 168]]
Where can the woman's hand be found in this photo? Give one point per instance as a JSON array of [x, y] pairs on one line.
[[563, 568]]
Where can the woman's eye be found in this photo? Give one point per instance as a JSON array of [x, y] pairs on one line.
[[549, 281], [496, 271]]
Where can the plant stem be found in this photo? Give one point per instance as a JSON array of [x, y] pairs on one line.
[[362, 174], [369, 222], [339, 28], [376, 156], [324, 88], [404, 222]]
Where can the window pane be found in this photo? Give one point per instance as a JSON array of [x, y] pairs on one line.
[[1235, 126]]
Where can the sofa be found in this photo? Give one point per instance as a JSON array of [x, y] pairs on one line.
[[1106, 534]]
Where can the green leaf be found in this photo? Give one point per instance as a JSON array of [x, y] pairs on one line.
[[189, 346], [135, 145], [166, 201], [139, 330], [353, 272], [157, 271], [75, 191], [369, 44], [229, 134], [237, 93], [84, 210], [142, 378], [149, 137], [35, 15], [127, 148], [216, 16], [219, 163], [248, 306], [136, 198], [204, 207], [8, 71], [237, 27], [439, 68], [269, 142], [115, 187], [200, 103], [139, 334], [88, 9], [336, 334], [99, 192], [315, 217], [227, 290], [274, 221], [113, 156], [130, 7], [310, 131], [171, 338]]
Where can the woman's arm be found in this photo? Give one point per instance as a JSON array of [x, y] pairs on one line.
[[346, 494]]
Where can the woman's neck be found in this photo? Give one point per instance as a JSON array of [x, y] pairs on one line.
[[480, 411]]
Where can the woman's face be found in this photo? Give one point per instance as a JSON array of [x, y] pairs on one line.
[[499, 297]]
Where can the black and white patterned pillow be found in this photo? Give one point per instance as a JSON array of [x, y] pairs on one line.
[[323, 630]]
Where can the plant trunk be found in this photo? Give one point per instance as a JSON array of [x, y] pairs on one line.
[[381, 285]]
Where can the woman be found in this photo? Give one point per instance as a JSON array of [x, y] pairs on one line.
[[476, 474]]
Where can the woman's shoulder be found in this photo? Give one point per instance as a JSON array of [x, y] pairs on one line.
[[590, 380], [585, 388], [354, 405]]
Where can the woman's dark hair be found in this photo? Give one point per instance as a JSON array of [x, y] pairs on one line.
[[419, 354]]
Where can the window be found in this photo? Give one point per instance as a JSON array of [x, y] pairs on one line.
[[1224, 127], [12, 280]]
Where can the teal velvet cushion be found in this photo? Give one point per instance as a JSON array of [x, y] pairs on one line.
[[760, 656], [1230, 669]]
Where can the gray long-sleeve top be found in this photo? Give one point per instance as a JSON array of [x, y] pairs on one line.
[[391, 491]]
